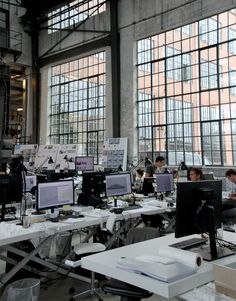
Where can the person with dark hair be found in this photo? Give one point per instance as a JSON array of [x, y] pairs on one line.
[[138, 182], [231, 176], [195, 174], [139, 173], [16, 165], [156, 167]]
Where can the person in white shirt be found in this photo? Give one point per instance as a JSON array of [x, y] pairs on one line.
[[231, 176]]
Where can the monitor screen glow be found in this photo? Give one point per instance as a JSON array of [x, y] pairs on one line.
[[165, 182], [55, 194], [84, 163], [118, 184]]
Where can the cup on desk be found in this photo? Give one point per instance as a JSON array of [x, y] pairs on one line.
[[219, 232], [26, 220]]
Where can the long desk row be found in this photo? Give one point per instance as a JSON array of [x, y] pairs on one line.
[[43, 232]]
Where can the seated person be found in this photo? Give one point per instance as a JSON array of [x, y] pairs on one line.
[[231, 176], [156, 167], [175, 174], [138, 182], [16, 165], [195, 174]]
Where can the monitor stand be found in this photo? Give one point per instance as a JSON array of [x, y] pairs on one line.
[[207, 255], [213, 252]]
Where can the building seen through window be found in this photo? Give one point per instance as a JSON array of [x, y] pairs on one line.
[[77, 104], [187, 99]]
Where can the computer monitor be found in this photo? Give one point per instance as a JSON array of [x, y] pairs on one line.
[[109, 170], [84, 163], [198, 210], [93, 184], [118, 184], [148, 185], [55, 194], [10, 191], [165, 182], [30, 182]]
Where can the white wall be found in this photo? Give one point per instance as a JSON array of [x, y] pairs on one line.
[[97, 22]]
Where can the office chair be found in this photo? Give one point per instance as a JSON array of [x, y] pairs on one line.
[[153, 220], [126, 291], [208, 176], [81, 250]]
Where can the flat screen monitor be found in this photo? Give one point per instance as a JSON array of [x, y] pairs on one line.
[[12, 185], [93, 184], [118, 184], [84, 163], [198, 210], [30, 182], [165, 182], [55, 194], [148, 185], [10, 191]]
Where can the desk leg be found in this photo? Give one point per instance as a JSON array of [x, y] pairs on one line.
[[22, 263], [90, 292], [31, 256]]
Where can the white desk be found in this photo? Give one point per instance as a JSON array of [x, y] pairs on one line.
[[10, 234], [105, 263]]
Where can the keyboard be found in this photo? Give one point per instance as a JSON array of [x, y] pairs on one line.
[[132, 207], [64, 217], [189, 243]]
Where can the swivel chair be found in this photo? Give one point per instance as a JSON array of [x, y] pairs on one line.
[[81, 250], [126, 291]]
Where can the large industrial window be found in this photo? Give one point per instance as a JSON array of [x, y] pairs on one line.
[[77, 106], [73, 13], [187, 93]]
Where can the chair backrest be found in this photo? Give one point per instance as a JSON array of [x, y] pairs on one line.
[[140, 234], [208, 176]]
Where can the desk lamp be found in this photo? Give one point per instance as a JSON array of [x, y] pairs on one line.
[[182, 166], [147, 161]]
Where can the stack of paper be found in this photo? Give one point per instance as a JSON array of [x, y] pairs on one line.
[[167, 269], [163, 272]]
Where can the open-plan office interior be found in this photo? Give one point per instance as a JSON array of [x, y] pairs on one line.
[[117, 143]]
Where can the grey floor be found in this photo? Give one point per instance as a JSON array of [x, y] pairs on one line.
[[59, 291]]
